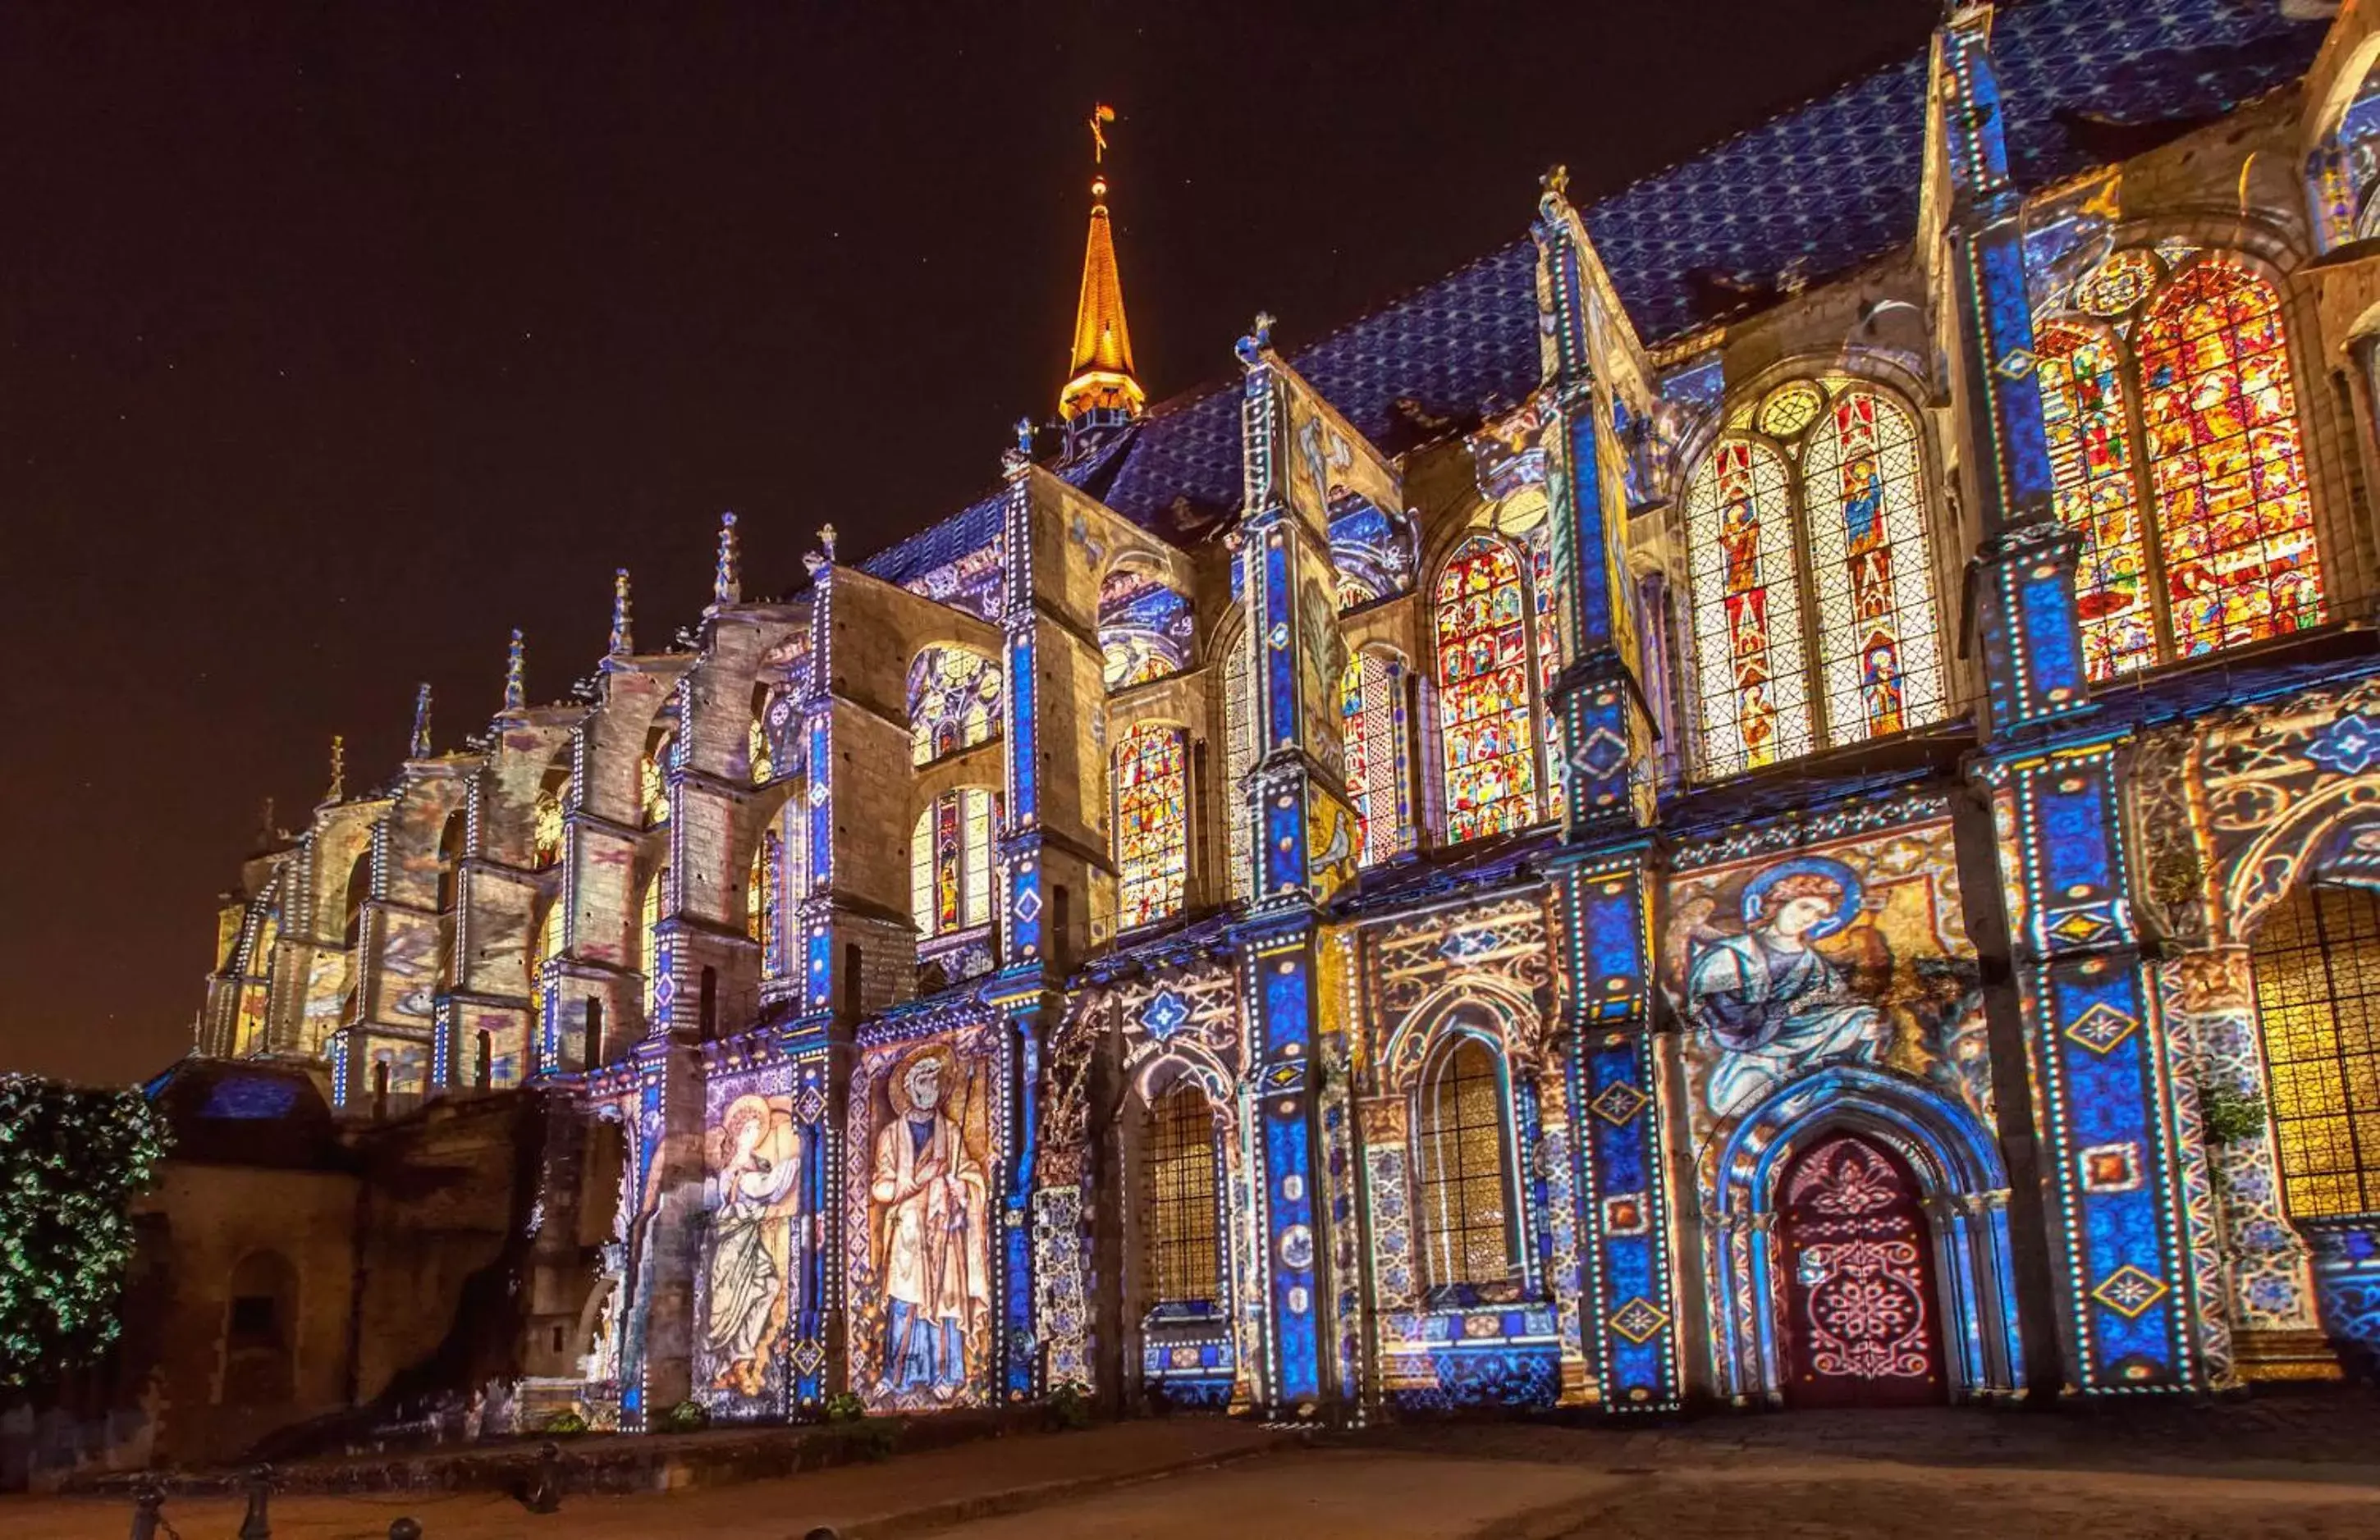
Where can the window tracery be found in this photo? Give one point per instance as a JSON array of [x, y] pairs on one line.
[[954, 702], [1239, 756], [1809, 551], [951, 862], [1153, 823], [1487, 700], [2175, 453]]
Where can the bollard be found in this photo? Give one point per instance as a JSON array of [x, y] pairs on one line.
[[148, 1500], [405, 1529], [546, 1490], [257, 1525]]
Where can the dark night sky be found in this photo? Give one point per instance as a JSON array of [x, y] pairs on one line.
[[337, 340]]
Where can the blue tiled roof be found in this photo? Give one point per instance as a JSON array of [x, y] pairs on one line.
[[1818, 191]]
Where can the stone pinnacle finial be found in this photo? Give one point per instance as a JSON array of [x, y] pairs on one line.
[[516, 676], [727, 578], [339, 791], [1556, 181], [826, 541], [624, 639], [419, 747], [1259, 337]]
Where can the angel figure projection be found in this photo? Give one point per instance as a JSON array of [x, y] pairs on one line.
[[1769, 1000], [753, 1197]]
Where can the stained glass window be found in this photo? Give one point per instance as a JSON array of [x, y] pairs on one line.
[[2317, 964], [1152, 821], [1486, 702], [1372, 708], [545, 830], [2097, 492], [1145, 629], [1747, 610], [1464, 1199], [760, 894], [652, 776], [954, 702], [549, 943], [649, 940], [1239, 754], [256, 985], [1879, 640], [2235, 522], [1181, 1243], [755, 750], [949, 862]]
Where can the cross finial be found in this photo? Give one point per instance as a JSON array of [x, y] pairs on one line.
[[623, 634], [516, 676], [420, 747], [727, 577]]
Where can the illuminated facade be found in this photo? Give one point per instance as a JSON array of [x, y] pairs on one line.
[[1753, 797]]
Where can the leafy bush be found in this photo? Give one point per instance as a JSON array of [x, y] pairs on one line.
[[687, 1416], [845, 1406], [71, 1162], [1070, 1406], [566, 1423], [2231, 1117]]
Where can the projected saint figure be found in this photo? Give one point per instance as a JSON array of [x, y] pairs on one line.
[[930, 1197], [753, 1197], [1768, 999]]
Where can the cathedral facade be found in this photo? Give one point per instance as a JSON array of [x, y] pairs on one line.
[[1770, 795]]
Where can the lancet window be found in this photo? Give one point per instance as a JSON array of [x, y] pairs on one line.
[[1468, 1224], [2317, 967], [256, 984], [649, 940], [954, 702], [548, 944], [1239, 756], [951, 862], [1152, 824], [652, 775], [1181, 1236], [1807, 540], [761, 890], [2177, 455], [1379, 773], [1486, 691]]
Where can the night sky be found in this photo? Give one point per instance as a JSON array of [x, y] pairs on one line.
[[339, 340]]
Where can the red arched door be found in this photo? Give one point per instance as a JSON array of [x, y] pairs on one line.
[[1863, 1326]]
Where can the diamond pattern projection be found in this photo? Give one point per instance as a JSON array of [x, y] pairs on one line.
[[1639, 1319], [2128, 1291], [1618, 1103], [2101, 1027]]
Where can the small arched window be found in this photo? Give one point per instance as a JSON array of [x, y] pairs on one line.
[[652, 775], [1152, 824], [1468, 1221], [954, 702], [1486, 691], [1807, 540], [649, 940], [1379, 772], [1146, 629], [763, 891], [950, 863], [1181, 1232], [2317, 967], [359, 890], [547, 946], [2177, 455]]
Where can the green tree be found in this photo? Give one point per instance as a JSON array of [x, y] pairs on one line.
[[71, 1162]]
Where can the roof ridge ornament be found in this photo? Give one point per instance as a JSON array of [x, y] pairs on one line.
[[1258, 339]]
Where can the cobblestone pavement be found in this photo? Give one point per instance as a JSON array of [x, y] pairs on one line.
[[2278, 1466]]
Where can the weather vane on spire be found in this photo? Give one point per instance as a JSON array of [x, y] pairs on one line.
[[1101, 114]]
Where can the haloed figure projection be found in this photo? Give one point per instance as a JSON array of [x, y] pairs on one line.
[[930, 1193], [1769, 1000]]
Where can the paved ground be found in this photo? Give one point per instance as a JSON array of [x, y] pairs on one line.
[[2276, 1467]]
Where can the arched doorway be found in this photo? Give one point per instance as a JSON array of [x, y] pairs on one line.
[[1863, 1322]]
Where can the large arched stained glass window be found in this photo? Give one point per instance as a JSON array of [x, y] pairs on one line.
[[949, 862], [1469, 1229], [1153, 823], [1879, 640], [954, 702], [1379, 775], [1747, 610], [2085, 408], [2175, 449], [1486, 699], [2235, 522]]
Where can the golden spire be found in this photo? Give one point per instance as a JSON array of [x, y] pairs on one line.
[[1100, 388]]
